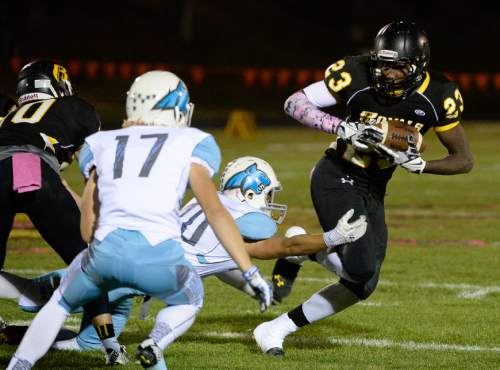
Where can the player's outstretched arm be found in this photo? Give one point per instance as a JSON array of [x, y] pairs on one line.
[[227, 232], [89, 208], [299, 245]]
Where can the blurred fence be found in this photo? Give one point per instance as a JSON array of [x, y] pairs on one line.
[[259, 89], [264, 77]]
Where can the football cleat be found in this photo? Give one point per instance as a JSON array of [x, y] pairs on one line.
[[149, 354], [270, 339], [117, 357], [284, 274]]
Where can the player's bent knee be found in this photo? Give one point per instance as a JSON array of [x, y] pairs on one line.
[[190, 288], [362, 291]]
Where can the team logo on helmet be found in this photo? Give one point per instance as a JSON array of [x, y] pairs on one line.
[[251, 178], [175, 98], [60, 73]]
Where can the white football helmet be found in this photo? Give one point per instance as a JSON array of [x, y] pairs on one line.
[[159, 98], [252, 180]]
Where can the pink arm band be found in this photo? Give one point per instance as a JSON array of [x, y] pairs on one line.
[[301, 109]]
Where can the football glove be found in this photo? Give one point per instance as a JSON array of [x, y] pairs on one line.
[[347, 130], [368, 138], [362, 137], [345, 231], [410, 160], [261, 287]]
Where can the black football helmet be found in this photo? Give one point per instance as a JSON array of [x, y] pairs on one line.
[[397, 45], [42, 79]]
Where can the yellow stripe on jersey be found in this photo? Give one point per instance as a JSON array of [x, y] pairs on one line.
[[424, 85], [446, 127]]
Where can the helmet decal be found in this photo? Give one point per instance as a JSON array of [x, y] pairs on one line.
[[251, 178], [175, 98], [60, 73]]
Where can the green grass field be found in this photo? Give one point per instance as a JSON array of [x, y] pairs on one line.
[[437, 305]]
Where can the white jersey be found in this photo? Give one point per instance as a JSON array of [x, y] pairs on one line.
[[203, 249], [142, 176]]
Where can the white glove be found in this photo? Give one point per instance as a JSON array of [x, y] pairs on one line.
[[261, 287], [409, 160], [368, 139], [347, 130], [362, 137], [346, 232]]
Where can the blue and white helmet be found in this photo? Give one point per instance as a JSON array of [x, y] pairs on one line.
[[252, 180], [159, 98]]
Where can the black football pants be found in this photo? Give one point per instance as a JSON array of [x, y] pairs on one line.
[[53, 212], [336, 187]]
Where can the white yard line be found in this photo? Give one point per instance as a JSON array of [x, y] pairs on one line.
[[381, 343], [27, 271], [300, 147], [468, 291], [412, 346]]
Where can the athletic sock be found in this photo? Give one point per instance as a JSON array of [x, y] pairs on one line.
[[171, 322], [286, 269], [107, 336], [298, 317], [327, 302]]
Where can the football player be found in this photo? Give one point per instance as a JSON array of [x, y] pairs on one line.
[[248, 187], [6, 105], [394, 81], [137, 177], [37, 139]]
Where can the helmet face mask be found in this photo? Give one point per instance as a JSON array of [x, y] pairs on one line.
[[253, 181], [399, 45], [159, 98], [41, 80]]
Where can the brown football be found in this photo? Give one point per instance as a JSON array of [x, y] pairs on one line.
[[396, 135]]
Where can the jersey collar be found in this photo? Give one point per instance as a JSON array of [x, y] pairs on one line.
[[421, 89]]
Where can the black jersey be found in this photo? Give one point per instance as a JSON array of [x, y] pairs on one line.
[[436, 103], [58, 126], [6, 104]]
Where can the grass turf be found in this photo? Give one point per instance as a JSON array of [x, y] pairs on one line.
[[436, 306]]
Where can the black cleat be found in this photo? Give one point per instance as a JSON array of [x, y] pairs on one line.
[[275, 352], [148, 353]]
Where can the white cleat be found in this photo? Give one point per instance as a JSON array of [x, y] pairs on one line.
[[270, 338]]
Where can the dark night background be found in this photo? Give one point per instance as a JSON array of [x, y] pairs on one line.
[[223, 37]]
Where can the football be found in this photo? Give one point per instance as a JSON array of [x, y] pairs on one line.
[[396, 135], [294, 230]]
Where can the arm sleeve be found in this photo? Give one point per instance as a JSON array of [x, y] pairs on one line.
[[300, 108], [207, 153], [86, 160], [256, 226]]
